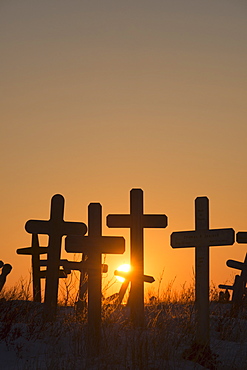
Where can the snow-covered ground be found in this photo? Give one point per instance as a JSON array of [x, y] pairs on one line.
[[28, 343]]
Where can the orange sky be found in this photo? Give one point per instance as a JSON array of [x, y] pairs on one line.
[[98, 99]]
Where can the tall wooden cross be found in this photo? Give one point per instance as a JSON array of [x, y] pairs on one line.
[[35, 251], [56, 228], [136, 221], [202, 238], [94, 245]]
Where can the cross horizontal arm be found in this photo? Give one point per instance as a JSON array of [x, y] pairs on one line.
[[223, 286], [37, 227], [75, 265], [62, 274], [74, 228], [236, 265], [213, 237], [67, 265], [118, 221], [46, 227], [154, 221], [242, 237], [98, 244], [32, 250]]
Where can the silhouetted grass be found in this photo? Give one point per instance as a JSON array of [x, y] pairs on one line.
[[29, 343]]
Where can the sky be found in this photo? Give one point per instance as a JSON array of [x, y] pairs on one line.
[[99, 97]]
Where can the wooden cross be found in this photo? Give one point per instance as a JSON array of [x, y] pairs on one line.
[[128, 276], [56, 228], [35, 250], [238, 289], [136, 221], [239, 284], [202, 238], [239, 266], [94, 245]]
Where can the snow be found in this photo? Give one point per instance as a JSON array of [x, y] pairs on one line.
[[26, 342]]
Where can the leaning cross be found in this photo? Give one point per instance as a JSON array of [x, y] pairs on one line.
[[94, 245], [136, 221], [238, 289], [56, 228], [239, 283], [239, 266], [128, 276], [202, 238]]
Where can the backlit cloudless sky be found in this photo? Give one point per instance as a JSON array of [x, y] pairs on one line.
[[98, 97]]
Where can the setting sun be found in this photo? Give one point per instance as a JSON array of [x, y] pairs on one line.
[[125, 268]]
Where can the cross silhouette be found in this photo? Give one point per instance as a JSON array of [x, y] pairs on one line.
[[202, 238], [56, 228], [239, 283], [35, 250], [94, 245], [136, 221]]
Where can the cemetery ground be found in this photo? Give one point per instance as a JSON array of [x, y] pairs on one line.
[[26, 342]]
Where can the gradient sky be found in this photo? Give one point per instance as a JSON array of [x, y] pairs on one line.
[[98, 97]]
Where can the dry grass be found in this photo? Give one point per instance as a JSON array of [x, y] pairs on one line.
[[169, 329]]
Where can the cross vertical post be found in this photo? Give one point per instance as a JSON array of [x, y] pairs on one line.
[[136, 221], [81, 303], [55, 239], [202, 238], [35, 269], [94, 272], [202, 272], [35, 250], [137, 257]]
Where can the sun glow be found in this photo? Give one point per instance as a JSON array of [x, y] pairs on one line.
[[125, 268]]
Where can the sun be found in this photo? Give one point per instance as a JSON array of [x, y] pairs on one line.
[[126, 268]]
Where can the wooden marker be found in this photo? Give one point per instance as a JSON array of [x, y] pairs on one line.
[[136, 221], [56, 228], [202, 238], [94, 245], [35, 251]]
